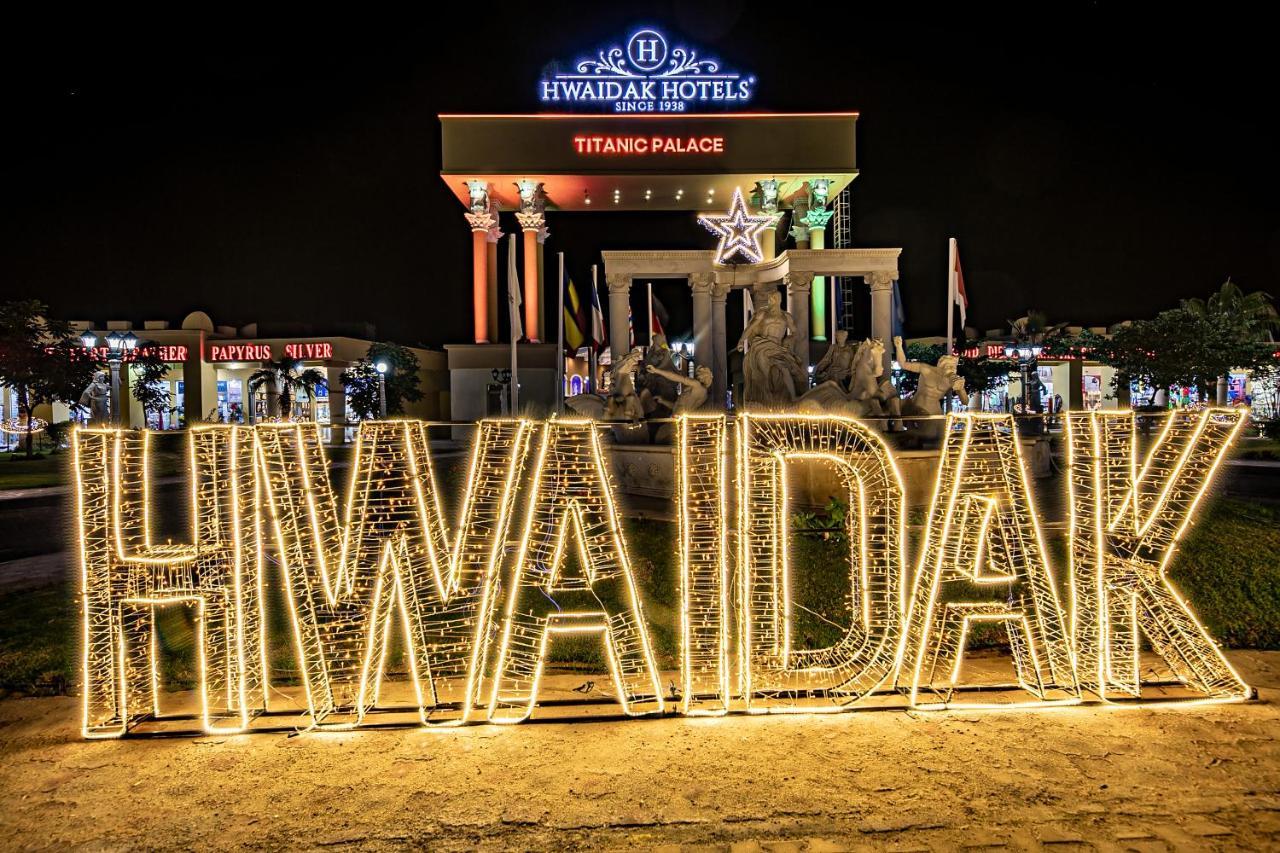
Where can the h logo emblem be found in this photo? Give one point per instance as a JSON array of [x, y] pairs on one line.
[[647, 50]]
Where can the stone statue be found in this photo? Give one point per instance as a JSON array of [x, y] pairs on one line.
[[868, 393], [622, 404], [693, 396], [869, 383], [935, 382], [773, 376], [693, 393], [657, 392], [837, 364], [97, 399]]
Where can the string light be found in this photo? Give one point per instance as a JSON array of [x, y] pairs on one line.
[[774, 674], [738, 230], [571, 496], [1125, 527], [390, 559], [22, 426], [125, 578], [982, 530], [705, 617]]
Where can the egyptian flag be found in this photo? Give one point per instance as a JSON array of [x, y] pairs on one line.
[[958, 295], [575, 320], [597, 320]]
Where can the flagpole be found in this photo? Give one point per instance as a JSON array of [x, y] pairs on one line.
[[560, 341], [650, 290], [514, 394], [593, 356], [951, 294]]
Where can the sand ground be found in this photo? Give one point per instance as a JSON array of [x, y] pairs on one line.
[[1205, 777]]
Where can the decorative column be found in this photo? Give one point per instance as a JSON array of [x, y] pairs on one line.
[[719, 346], [531, 224], [619, 306], [543, 234], [481, 224], [881, 285], [337, 404], [816, 220], [492, 239], [799, 285], [700, 284]]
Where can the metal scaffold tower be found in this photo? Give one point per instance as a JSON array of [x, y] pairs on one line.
[[842, 229]]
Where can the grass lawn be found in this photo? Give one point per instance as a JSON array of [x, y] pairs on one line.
[[53, 469], [1228, 567], [1264, 449], [19, 472]]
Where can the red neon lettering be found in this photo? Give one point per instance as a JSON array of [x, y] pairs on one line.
[[318, 350], [648, 144]]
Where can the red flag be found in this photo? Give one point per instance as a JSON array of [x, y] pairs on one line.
[[957, 287]]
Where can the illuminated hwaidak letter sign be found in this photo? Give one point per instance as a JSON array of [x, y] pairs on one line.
[[536, 552], [647, 75]]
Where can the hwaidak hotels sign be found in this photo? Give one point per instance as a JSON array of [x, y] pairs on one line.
[[647, 74]]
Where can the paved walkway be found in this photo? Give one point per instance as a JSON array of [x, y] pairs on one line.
[[1189, 778]]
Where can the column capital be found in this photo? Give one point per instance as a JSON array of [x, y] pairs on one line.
[[530, 221], [799, 232], [702, 282], [719, 291], [818, 217], [481, 221], [543, 233], [798, 281], [618, 282], [880, 280]]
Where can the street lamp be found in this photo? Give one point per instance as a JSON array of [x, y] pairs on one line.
[[382, 389], [1026, 355], [118, 343]]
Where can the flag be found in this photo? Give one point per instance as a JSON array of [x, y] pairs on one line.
[[631, 330], [958, 295], [899, 317], [597, 318], [513, 292], [656, 313], [575, 319]]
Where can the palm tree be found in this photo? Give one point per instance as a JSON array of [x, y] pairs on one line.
[[286, 378], [1253, 311]]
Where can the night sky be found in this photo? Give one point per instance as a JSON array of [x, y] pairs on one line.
[[1092, 165]]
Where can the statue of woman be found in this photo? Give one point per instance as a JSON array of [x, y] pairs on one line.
[[772, 373], [97, 399]]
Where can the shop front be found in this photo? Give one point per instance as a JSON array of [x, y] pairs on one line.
[[210, 377]]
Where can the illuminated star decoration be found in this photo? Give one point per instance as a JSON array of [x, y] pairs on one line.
[[738, 230]]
